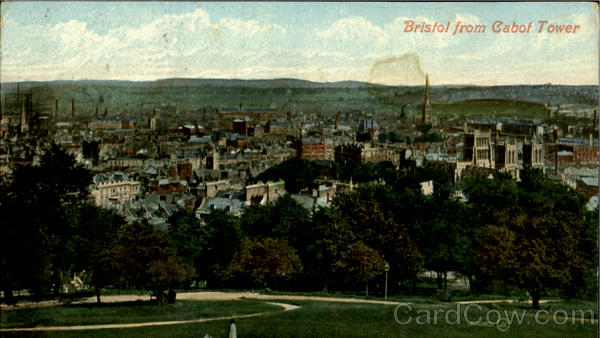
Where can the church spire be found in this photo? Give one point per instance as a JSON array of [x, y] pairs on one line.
[[426, 101]]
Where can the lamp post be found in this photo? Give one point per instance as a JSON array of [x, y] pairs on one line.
[[387, 269]]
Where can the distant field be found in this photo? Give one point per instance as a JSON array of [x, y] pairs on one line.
[[490, 108]]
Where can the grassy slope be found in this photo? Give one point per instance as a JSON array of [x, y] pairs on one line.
[[132, 312], [321, 319]]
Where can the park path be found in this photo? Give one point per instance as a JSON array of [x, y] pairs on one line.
[[210, 295], [184, 296]]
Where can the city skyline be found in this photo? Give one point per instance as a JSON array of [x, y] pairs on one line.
[[323, 42]]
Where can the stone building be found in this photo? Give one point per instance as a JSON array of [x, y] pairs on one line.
[[114, 189], [263, 193], [533, 154], [506, 157], [361, 152], [477, 149]]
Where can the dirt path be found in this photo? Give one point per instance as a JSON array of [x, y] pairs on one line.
[[250, 295], [211, 295], [199, 296]]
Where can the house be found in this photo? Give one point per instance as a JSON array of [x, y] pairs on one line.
[[114, 189]]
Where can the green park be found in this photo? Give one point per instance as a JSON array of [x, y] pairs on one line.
[[517, 258]]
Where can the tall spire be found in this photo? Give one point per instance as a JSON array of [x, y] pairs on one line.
[[426, 101], [73, 111], [55, 110], [23, 117]]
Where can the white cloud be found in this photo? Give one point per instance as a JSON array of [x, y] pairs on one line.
[[75, 50], [354, 30]]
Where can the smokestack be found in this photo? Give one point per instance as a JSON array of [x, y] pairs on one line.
[[73, 111], [55, 110]]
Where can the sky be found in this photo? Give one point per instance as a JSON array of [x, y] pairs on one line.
[[137, 41]]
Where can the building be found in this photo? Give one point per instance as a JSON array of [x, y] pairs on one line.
[[361, 152], [316, 149], [181, 171], [477, 149], [114, 189], [367, 130], [263, 193], [102, 124], [254, 113], [240, 125], [573, 151], [505, 157], [278, 128], [154, 120], [533, 155]]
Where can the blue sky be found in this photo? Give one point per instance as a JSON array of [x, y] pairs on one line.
[[313, 41]]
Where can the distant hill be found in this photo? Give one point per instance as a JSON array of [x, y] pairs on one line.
[[185, 82], [104, 98]]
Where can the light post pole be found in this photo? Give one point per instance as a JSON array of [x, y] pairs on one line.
[[387, 269]]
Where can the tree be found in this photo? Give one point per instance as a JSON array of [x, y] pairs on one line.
[[533, 252], [265, 262], [188, 236], [36, 224], [360, 217], [297, 174], [94, 230], [222, 239], [146, 259], [361, 262]]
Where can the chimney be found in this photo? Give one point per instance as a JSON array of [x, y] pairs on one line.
[[55, 110], [595, 119], [591, 139], [550, 114], [73, 111]]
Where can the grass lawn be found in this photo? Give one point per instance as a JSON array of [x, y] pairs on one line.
[[129, 312], [329, 319]]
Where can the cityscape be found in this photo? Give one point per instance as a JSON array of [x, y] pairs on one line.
[[149, 199]]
